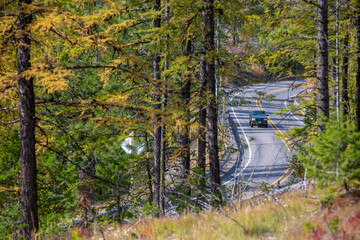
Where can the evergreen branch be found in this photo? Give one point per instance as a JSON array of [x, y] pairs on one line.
[[311, 2], [60, 35], [295, 1], [296, 77], [103, 66], [8, 15], [139, 9], [297, 38], [39, 44], [9, 123], [76, 67], [91, 175], [53, 115], [135, 24], [137, 86], [6, 88], [10, 31], [7, 39], [71, 137], [6, 4], [297, 16], [82, 104]]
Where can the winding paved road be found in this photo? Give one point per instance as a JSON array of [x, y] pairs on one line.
[[264, 153]]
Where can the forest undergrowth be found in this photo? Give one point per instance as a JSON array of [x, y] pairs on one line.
[[296, 214]]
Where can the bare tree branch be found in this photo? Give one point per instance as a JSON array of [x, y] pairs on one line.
[[311, 2], [8, 108], [8, 123]]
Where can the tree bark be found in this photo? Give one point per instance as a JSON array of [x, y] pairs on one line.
[[323, 64], [209, 34], [202, 117], [163, 125], [157, 115], [185, 135], [148, 168], [357, 89], [28, 185]]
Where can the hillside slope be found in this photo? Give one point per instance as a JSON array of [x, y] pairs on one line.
[[295, 214]]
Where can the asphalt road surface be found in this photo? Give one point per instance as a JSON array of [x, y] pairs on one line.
[[263, 154]]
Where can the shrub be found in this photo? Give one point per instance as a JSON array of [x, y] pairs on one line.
[[333, 156]]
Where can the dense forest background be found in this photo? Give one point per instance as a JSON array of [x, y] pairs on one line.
[[118, 105]]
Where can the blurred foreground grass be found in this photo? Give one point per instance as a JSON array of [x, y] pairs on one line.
[[292, 215]]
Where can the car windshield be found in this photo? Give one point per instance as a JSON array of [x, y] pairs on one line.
[[256, 113]]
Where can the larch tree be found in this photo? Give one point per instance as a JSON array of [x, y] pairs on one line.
[[345, 41], [164, 103], [157, 108], [322, 74], [209, 75], [201, 151], [185, 99], [28, 185], [357, 84], [201, 158], [345, 76], [75, 46]]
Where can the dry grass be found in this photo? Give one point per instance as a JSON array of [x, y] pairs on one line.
[[256, 70], [294, 215]]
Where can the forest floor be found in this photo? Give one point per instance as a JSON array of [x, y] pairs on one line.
[[295, 214]]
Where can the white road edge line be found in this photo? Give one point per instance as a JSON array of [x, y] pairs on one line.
[[247, 141], [292, 113]]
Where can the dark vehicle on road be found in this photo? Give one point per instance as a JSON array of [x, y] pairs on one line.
[[258, 118]]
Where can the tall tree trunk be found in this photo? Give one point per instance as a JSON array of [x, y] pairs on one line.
[[163, 125], [357, 90], [157, 115], [202, 117], [322, 74], [84, 191], [209, 34], [345, 76], [28, 185], [185, 135]]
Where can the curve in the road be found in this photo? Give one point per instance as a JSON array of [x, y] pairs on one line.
[[287, 143], [247, 141]]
